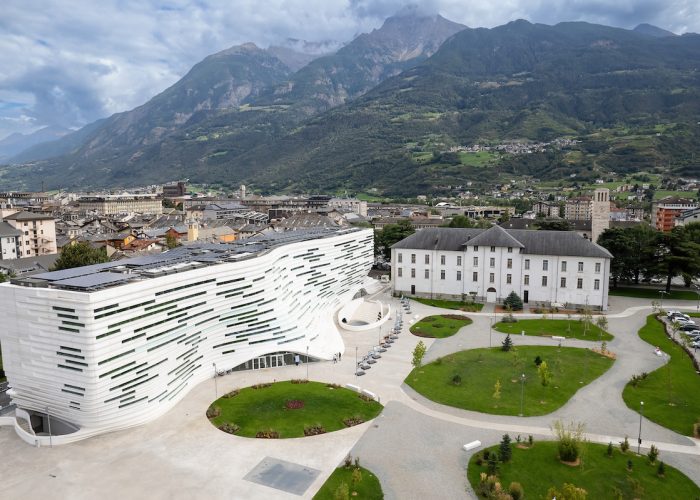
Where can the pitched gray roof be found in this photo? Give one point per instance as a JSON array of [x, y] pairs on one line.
[[532, 242], [23, 215], [7, 230], [495, 236]]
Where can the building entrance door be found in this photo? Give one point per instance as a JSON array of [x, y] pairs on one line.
[[413, 289], [491, 295], [526, 295]]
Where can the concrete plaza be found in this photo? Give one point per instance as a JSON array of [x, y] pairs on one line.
[[414, 446]]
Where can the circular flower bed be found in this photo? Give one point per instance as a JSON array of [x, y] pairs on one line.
[[294, 404]]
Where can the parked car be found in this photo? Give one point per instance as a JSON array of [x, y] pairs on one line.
[[656, 280], [689, 327], [677, 314]]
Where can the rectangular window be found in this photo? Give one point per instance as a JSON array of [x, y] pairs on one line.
[[413, 258], [427, 274], [509, 279], [459, 260], [427, 259], [545, 265], [596, 284], [400, 257], [563, 282], [580, 267], [442, 274], [442, 260], [563, 266], [492, 262], [510, 249], [509, 264], [597, 267], [527, 264], [400, 272], [476, 248], [476, 261], [475, 276], [527, 279], [459, 275], [579, 283], [492, 278], [413, 273], [544, 281], [493, 249]]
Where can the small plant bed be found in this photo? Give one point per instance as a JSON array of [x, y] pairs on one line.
[[489, 380], [573, 328], [450, 304], [653, 293], [351, 481], [290, 409], [537, 469], [670, 393], [440, 327]]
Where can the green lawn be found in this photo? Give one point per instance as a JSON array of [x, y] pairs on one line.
[[264, 409], [479, 159], [653, 293], [479, 370], [368, 488], [450, 304], [439, 327], [561, 327], [671, 394], [538, 468]]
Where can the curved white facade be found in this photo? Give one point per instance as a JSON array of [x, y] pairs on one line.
[[125, 354]]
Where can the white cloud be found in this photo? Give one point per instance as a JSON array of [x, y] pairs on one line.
[[73, 62]]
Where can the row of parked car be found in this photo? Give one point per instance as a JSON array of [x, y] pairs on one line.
[[688, 327]]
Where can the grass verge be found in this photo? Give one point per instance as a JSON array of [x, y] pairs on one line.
[[267, 409], [450, 304], [440, 327], [538, 468], [467, 379], [572, 328], [367, 488], [671, 394], [652, 293]]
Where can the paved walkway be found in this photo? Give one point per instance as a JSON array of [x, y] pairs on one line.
[[414, 446]]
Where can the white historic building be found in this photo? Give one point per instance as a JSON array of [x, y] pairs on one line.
[[109, 346], [488, 264]]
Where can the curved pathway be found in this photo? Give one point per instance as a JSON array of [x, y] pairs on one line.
[[599, 404]]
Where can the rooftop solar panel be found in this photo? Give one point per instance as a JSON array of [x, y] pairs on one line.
[[94, 280]]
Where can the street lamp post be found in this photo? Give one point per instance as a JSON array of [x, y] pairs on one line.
[[522, 393], [697, 290], [641, 413], [48, 420], [216, 388], [490, 330]]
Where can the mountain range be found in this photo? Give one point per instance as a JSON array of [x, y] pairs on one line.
[[381, 112]]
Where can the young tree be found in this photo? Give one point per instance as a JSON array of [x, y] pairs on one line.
[[507, 344], [418, 354], [679, 252], [80, 254], [390, 234], [505, 452], [497, 389], [544, 373], [513, 301], [171, 241]]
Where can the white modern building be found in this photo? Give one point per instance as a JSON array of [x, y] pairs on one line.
[[109, 346], [488, 264]]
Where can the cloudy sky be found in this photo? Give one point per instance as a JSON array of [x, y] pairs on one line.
[[71, 62]]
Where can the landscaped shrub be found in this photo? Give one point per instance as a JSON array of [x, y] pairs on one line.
[[513, 301], [570, 438], [349, 422], [438, 361], [456, 379], [629, 465], [544, 373], [538, 361], [609, 451], [661, 469], [347, 463], [365, 397], [505, 452], [314, 430], [294, 404], [516, 491], [213, 411], [299, 381], [568, 492], [270, 434], [262, 385], [507, 344], [509, 318], [625, 445], [653, 454], [333, 386], [229, 428], [231, 394], [530, 440], [342, 492]]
